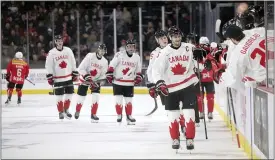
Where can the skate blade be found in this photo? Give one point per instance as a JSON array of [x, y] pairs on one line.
[[131, 123], [94, 121], [69, 118]]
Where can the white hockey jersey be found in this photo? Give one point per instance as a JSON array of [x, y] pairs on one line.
[[125, 68], [154, 54], [246, 63], [175, 67], [60, 64], [97, 68]]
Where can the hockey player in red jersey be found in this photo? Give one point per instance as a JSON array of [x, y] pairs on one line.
[[92, 72], [207, 83], [17, 72], [124, 72], [175, 78], [61, 73]]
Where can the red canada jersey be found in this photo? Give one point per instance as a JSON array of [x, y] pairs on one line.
[[17, 69]]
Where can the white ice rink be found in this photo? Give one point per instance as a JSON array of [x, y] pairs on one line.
[[33, 130]]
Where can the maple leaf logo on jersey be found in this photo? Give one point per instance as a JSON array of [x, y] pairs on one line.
[[93, 72], [124, 71], [178, 69], [63, 64]]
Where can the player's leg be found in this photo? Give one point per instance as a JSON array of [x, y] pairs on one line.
[[200, 99], [95, 102], [197, 92], [189, 101], [59, 92], [10, 87], [81, 94], [19, 92], [128, 93], [69, 91], [173, 111], [210, 92], [118, 93]]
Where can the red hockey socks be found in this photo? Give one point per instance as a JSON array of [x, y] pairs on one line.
[[128, 108], [59, 103], [79, 102], [10, 90], [210, 102], [95, 100], [200, 102], [119, 100], [19, 92], [67, 100]]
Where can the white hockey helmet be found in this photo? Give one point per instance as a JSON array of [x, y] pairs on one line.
[[18, 55], [204, 40]]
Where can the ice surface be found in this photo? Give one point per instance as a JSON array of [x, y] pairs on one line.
[[33, 130]]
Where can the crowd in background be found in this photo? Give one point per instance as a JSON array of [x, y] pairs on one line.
[[42, 20]]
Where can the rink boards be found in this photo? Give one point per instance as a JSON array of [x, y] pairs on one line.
[[253, 110]]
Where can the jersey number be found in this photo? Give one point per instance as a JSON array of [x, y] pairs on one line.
[[19, 72], [260, 52]]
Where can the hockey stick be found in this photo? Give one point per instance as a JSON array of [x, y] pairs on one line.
[[229, 109], [217, 29], [234, 117], [30, 81], [155, 108]]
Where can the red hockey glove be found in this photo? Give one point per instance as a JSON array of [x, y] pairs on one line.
[[8, 77], [110, 75], [87, 78], [152, 90], [138, 79], [162, 88], [75, 75], [198, 54], [94, 86], [50, 79]]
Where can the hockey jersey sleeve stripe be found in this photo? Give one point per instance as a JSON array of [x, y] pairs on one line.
[[182, 82], [56, 77]]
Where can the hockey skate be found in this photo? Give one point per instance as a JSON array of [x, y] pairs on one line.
[[68, 115], [119, 118], [189, 144], [176, 144], [210, 116], [76, 115], [201, 115], [130, 120], [61, 115], [94, 118], [19, 100], [8, 100]]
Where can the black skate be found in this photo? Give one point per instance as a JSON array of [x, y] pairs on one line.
[[119, 118], [201, 115], [61, 115], [8, 100], [76, 115], [68, 115], [210, 115], [130, 120], [176, 144], [19, 100], [189, 144], [94, 118]]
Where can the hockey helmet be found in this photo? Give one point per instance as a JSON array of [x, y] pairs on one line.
[[161, 38], [174, 31], [18, 55], [160, 33], [234, 32], [101, 50], [234, 21], [204, 40], [252, 17], [130, 46]]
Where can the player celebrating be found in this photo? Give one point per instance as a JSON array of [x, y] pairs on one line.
[[162, 40], [92, 69], [17, 72], [207, 83], [61, 72], [248, 64], [175, 78], [124, 72]]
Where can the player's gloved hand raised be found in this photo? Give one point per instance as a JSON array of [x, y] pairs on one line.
[[152, 90], [138, 78], [7, 77], [198, 54], [75, 75], [110, 75], [162, 88], [50, 79]]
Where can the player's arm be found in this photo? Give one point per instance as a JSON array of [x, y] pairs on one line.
[[75, 73], [83, 68], [27, 69], [139, 76], [49, 65], [159, 68], [149, 69], [110, 72], [9, 66]]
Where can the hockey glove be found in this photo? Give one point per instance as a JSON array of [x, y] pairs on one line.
[[152, 90], [138, 79], [110, 75], [8, 77], [162, 88], [87, 78], [50, 79], [198, 54], [75, 75], [94, 86]]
